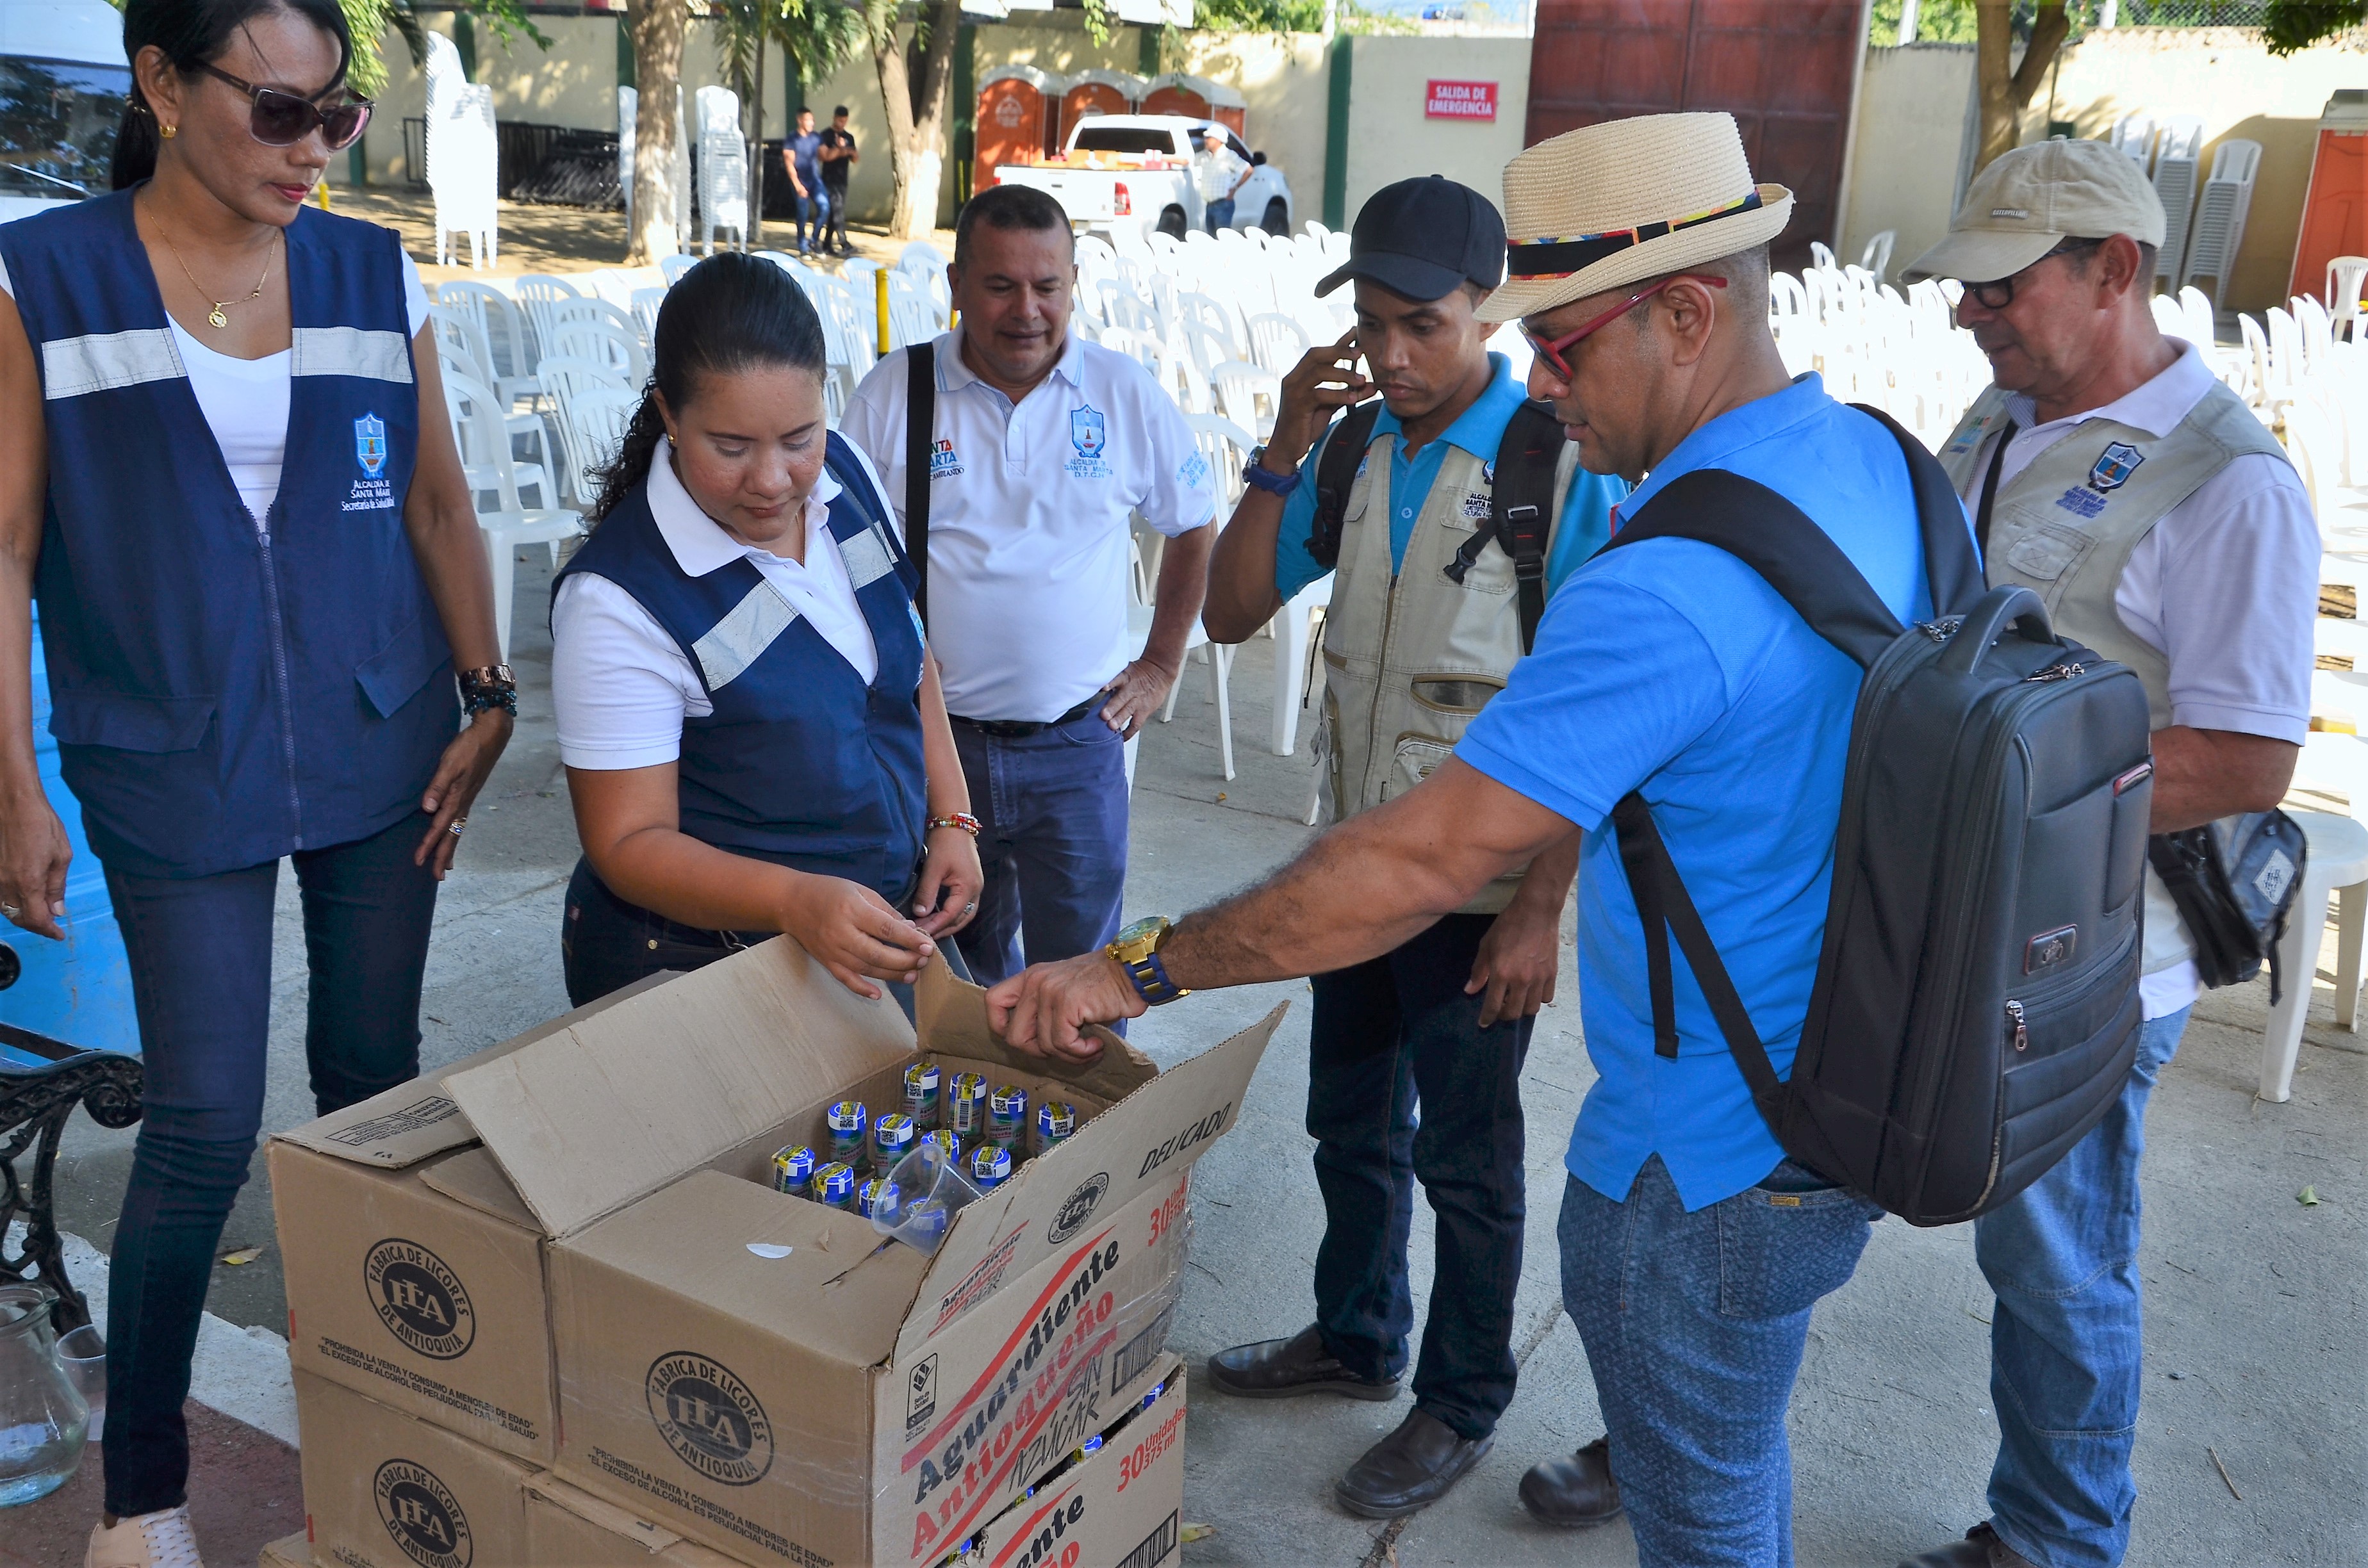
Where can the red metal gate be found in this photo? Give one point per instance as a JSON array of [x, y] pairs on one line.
[[1783, 68]]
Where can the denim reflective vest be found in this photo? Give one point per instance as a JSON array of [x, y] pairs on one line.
[[800, 764], [226, 691]]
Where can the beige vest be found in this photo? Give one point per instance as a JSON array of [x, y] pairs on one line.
[[1409, 660], [2066, 527]]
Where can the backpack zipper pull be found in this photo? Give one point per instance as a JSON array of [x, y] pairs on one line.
[[2065, 671], [2021, 1029]]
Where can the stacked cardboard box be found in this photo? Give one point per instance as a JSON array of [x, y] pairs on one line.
[[557, 1269]]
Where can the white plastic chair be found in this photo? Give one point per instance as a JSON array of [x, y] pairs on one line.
[[596, 420], [1876, 257], [1277, 343], [2337, 865], [1248, 394], [495, 316], [485, 459], [539, 294], [672, 267], [646, 305], [599, 331], [462, 156], [723, 166], [460, 342], [565, 380], [2345, 276]]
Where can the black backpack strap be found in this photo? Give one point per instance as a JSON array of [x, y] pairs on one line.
[[1344, 447], [920, 437], [1520, 509], [1953, 569]]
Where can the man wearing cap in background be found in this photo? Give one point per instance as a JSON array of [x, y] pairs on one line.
[[1221, 173], [1427, 619], [2111, 474], [1691, 1249]]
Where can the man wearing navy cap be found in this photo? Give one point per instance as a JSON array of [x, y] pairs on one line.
[[1454, 518]]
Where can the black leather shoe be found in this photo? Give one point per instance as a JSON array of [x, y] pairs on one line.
[[1279, 1369], [1573, 1491], [1411, 1469], [1980, 1549]]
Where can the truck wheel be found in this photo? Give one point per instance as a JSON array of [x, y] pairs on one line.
[[1171, 223], [1277, 218]]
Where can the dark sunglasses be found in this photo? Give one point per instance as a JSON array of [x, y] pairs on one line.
[[282, 120], [1998, 292], [1551, 352]]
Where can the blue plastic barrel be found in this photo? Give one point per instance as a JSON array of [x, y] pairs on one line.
[[79, 989]]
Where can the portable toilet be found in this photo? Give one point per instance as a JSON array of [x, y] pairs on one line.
[[79, 991], [2335, 212], [1018, 115], [1097, 91], [1197, 97]]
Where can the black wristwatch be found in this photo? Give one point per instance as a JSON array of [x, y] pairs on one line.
[[1255, 472]]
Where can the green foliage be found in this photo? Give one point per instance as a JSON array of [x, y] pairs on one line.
[[371, 20], [1292, 17], [1936, 21], [2294, 24], [815, 36]]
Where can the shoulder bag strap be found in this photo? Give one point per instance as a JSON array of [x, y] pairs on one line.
[[921, 434], [1952, 571], [1520, 510], [1989, 487], [1336, 471]]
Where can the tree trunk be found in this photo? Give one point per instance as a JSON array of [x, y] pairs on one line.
[[2006, 87], [657, 27], [916, 120]]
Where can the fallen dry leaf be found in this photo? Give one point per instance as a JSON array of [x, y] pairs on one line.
[[1192, 1533], [244, 1255]]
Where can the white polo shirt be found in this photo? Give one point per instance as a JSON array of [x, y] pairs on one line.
[[1028, 518], [2224, 586]]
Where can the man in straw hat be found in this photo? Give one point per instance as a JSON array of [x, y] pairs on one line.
[[1427, 615], [1691, 1249], [2113, 475]]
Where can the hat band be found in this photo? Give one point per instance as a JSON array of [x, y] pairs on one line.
[[1561, 257]]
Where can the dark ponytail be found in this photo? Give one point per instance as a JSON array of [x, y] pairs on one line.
[[193, 33], [730, 312]]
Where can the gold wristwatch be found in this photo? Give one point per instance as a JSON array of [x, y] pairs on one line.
[[1137, 952]]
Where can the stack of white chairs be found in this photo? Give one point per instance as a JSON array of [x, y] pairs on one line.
[[462, 156], [2219, 230], [723, 166], [2174, 181], [2134, 137], [479, 427]]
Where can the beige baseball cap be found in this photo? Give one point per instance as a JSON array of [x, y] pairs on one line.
[[2029, 199]]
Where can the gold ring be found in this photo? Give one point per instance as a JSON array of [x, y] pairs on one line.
[[456, 824]]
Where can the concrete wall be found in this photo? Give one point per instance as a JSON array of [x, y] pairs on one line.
[[1914, 137], [2240, 89], [1390, 139]]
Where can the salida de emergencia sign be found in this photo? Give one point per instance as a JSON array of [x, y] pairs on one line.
[[1460, 100]]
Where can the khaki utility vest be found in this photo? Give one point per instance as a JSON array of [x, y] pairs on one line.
[[2065, 528], [1410, 659]]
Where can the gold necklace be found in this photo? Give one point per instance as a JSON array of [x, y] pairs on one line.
[[218, 318]]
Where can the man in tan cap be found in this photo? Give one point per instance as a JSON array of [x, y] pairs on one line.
[[2111, 474], [1692, 1250]]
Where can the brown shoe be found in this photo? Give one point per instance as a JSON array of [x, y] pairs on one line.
[[1980, 1549], [1411, 1469], [1281, 1369], [1573, 1491]]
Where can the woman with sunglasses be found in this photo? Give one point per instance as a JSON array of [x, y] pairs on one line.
[[227, 475]]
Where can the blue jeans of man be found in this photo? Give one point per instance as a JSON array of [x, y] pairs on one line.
[[1694, 1325], [1390, 1035], [813, 208], [200, 956], [1220, 213], [1051, 811], [2063, 1258]]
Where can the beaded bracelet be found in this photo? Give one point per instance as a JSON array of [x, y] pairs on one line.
[[962, 820], [489, 686]]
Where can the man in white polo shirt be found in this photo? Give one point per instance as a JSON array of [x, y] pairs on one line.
[[2111, 474], [1040, 445]]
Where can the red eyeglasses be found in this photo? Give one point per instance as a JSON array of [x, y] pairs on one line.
[[282, 120], [1552, 353]]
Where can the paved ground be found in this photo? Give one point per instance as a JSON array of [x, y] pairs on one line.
[[2256, 1334]]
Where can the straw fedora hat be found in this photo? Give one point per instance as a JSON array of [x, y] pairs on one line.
[[1607, 205]]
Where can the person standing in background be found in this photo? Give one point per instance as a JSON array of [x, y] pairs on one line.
[[1221, 172], [802, 155], [227, 472], [838, 160]]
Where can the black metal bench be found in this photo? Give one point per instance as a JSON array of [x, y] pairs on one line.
[[35, 1103]]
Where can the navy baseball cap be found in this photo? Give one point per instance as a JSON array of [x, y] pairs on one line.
[[1423, 239]]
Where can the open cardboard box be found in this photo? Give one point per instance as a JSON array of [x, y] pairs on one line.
[[767, 1377]]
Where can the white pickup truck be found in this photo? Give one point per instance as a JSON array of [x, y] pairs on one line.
[[1121, 169]]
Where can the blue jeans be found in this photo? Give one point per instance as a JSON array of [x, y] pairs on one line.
[[200, 956], [1220, 214], [1389, 1034], [814, 209], [1051, 809], [2063, 1257], [1694, 1325]]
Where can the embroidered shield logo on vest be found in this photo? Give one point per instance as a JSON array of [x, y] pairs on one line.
[[2114, 468], [1085, 431], [370, 444]]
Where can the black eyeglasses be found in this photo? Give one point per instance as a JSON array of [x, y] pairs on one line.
[[1998, 292], [282, 120]]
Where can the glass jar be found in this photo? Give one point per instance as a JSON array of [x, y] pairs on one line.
[[43, 1419]]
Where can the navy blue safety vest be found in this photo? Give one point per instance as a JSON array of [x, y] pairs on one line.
[[800, 764], [226, 692]]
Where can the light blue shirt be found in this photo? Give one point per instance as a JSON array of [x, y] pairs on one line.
[[1585, 512], [1670, 668]]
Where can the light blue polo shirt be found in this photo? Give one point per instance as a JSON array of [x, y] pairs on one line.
[[1586, 511], [1669, 667]]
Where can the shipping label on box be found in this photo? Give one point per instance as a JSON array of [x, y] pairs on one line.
[[386, 1490], [1120, 1507]]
